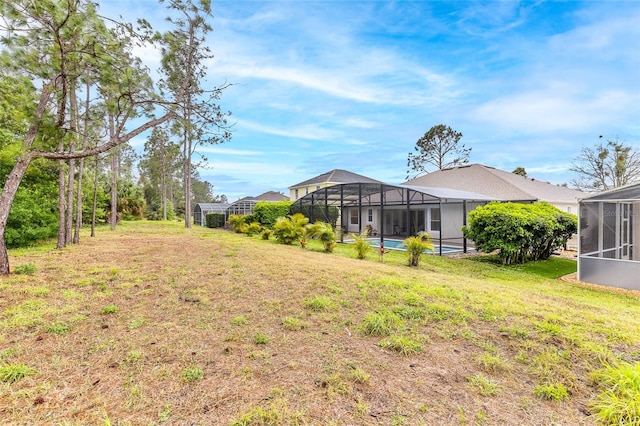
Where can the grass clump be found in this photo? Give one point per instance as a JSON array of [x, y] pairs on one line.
[[552, 391], [293, 323], [492, 363], [380, 323], [240, 320], [11, 373], [401, 344], [619, 400], [25, 269], [191, 374], [484, 385], [260, 338], [108, 310], [59, 327], [319, 303]]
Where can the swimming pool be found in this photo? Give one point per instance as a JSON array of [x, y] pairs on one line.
[[392, 244]]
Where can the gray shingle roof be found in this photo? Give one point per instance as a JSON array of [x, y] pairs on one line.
[[497, 183], [336, 176]]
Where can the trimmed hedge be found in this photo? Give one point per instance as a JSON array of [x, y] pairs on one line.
[[520, 232], [215, 220], [267, 212]]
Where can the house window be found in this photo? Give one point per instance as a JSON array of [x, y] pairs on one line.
[[370, 215], [317, 187], [306, 190], [354, 217], [296, 197], [434, 223], [569, 209]]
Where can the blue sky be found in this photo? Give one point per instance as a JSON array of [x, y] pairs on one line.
[[353, 85]]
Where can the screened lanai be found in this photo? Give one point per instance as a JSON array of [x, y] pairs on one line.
[[393, 211], [609, 234], [201, 210]]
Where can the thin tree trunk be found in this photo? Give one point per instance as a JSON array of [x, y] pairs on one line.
[[73, 124], [95, 198], [114, 177], [61, 202], [85, 143], [114, 189], [6, 199]]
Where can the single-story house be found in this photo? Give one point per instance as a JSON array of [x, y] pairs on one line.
[[502, 185], [393, 210], [609, 238], [333, 177], [241, 207]]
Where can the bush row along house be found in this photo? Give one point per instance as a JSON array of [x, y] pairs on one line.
[[240, 207]]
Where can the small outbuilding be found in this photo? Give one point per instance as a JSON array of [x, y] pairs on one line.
[[201, 210], [609, 238]]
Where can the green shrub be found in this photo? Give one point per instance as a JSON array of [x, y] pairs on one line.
[[416, 246], [325, 233], [267, 212], [266, 233], [215, 220], [288, 230], [253, 228], [361, 244], [519, 231], [237, 222]]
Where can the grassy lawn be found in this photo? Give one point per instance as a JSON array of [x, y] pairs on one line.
[[155, 324]]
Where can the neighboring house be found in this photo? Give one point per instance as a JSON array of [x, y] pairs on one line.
[[609, 235], [246, 205], [325, 180], [201, 210], [502, 185], [242, 206]]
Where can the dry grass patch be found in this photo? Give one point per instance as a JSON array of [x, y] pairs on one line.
[[155, 324]]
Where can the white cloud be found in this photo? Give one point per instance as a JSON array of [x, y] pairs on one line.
[[552, 109], [229, 151]]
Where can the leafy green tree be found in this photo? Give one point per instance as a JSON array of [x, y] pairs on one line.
[[52, 42], [606, 166], [160, 162], [440, 148], [520, 171], [200, 120], [33, 215]]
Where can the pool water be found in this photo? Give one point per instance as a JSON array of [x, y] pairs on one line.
[[397, 245]]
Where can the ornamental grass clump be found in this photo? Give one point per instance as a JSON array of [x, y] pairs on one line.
[[416, 246], [325, 233], [287, 230], [361, 244]]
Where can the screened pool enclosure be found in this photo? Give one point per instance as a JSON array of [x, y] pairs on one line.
[[388, 211], [609, 233]]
